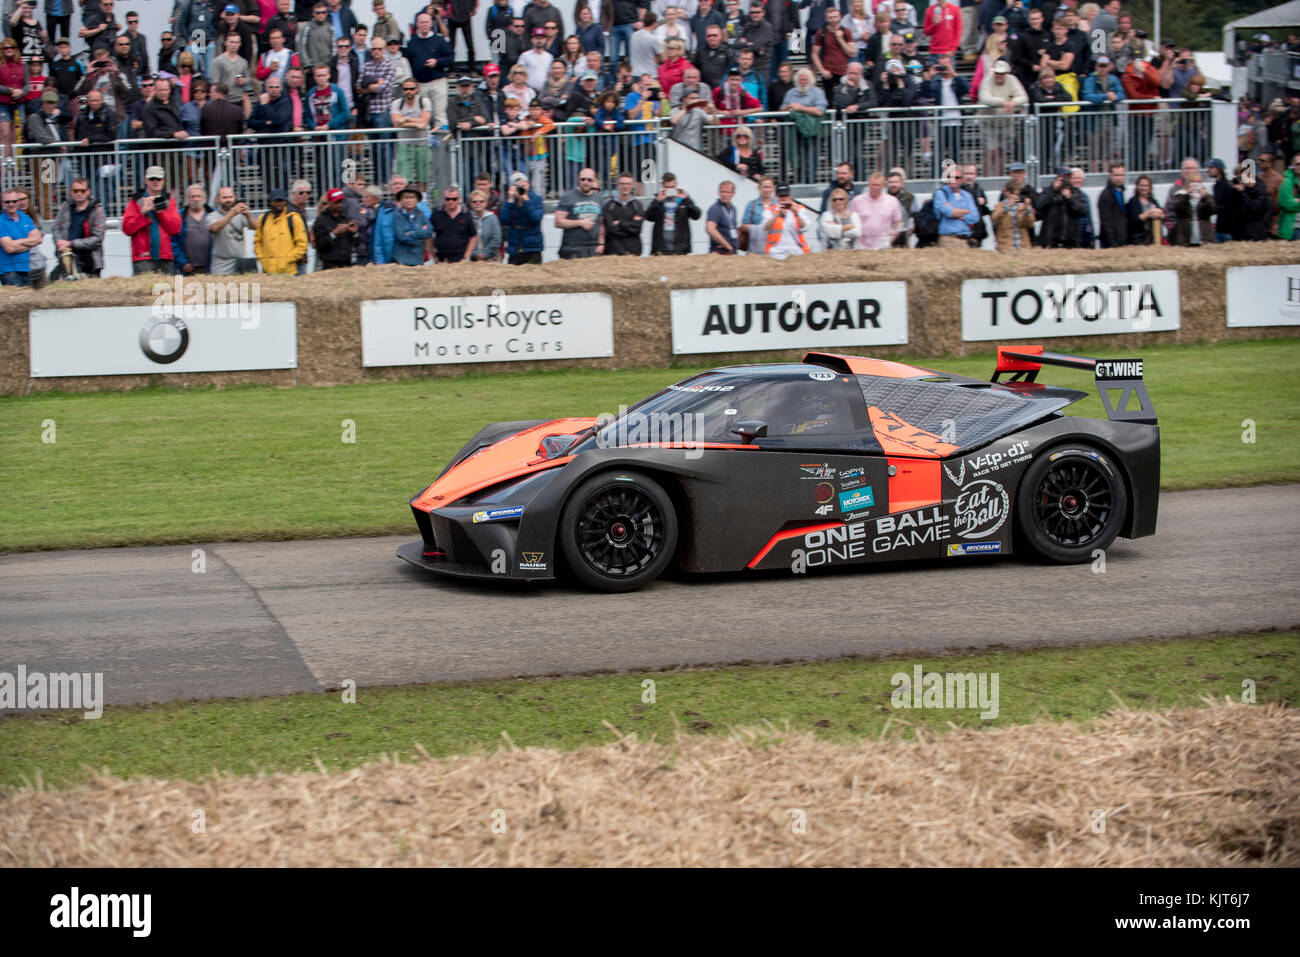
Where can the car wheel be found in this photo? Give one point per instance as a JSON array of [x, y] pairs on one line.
[[618, 531], [1071, 503]]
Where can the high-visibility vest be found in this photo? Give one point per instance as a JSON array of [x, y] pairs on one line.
[[778, 228]]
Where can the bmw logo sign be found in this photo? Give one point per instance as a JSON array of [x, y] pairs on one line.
[[164, 339]]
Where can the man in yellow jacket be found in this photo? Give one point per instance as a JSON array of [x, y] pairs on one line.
[[281, 237]]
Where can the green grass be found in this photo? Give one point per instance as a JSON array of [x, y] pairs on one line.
[[841, 700], [164, 465]]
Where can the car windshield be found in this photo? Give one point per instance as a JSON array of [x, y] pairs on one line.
[[709, 407]]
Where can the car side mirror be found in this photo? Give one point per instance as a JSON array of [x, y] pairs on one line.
[[750, 430]]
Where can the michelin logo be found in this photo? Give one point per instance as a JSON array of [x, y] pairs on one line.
[[495, 514], [856, 499], [975, 548]]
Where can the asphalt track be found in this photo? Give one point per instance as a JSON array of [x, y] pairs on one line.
[[278, 617]]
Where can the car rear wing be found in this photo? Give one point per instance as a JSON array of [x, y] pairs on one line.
[[1023, 364]]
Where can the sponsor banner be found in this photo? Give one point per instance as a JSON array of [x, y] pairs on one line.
[[975, 548], [1264, 296], [828, 315], [532, 561], [129, 340], [978, 466], [1087, 304], [497, 514], [407, 332], [856, 499]]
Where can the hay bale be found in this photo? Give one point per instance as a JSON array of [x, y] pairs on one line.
[[1218, 786]]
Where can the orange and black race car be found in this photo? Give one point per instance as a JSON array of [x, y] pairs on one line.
[[835, 460]]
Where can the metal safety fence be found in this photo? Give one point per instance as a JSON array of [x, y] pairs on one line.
[[1148, 136], [115, 172]]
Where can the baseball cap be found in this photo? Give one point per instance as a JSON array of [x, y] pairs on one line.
[[1062, 171], [1060, 14], [1216, 162], [1017, 168], [909, 37], [894, 66], [1264, 36], [783, 190], [734, 71], [464, 81], [278, 194], [1002, 66], [155, 172], [590, 75], [49, 96], [999, 19], [334, 196], [394, 41], [547, 102], [517, 177], [490, 69], [408, 189], [915, 66], [538, 32], [230, 8]]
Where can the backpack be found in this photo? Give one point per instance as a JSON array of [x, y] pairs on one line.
[[925, 224]]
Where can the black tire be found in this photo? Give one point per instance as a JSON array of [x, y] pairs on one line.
[[618, 531], [1071, 502]]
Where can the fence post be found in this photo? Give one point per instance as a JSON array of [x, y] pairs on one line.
[[453, 162], [1031, 146], [661, 158], [219, 171], [839, 150]]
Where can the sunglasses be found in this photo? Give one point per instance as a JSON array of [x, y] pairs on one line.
[[11, 202], [154, 179], [80, 189]]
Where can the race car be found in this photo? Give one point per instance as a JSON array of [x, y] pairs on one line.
[[835, 460]]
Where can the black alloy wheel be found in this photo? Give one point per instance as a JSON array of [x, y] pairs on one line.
[[1072, 502], [619, 531]]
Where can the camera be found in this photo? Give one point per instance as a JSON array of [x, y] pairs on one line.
[[652, 95], [670, 192], [1140, 34]]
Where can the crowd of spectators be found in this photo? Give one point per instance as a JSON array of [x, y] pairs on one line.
[[230, 69]]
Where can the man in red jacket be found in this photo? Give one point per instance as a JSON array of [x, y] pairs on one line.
[[943, 27], [151, 220]]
